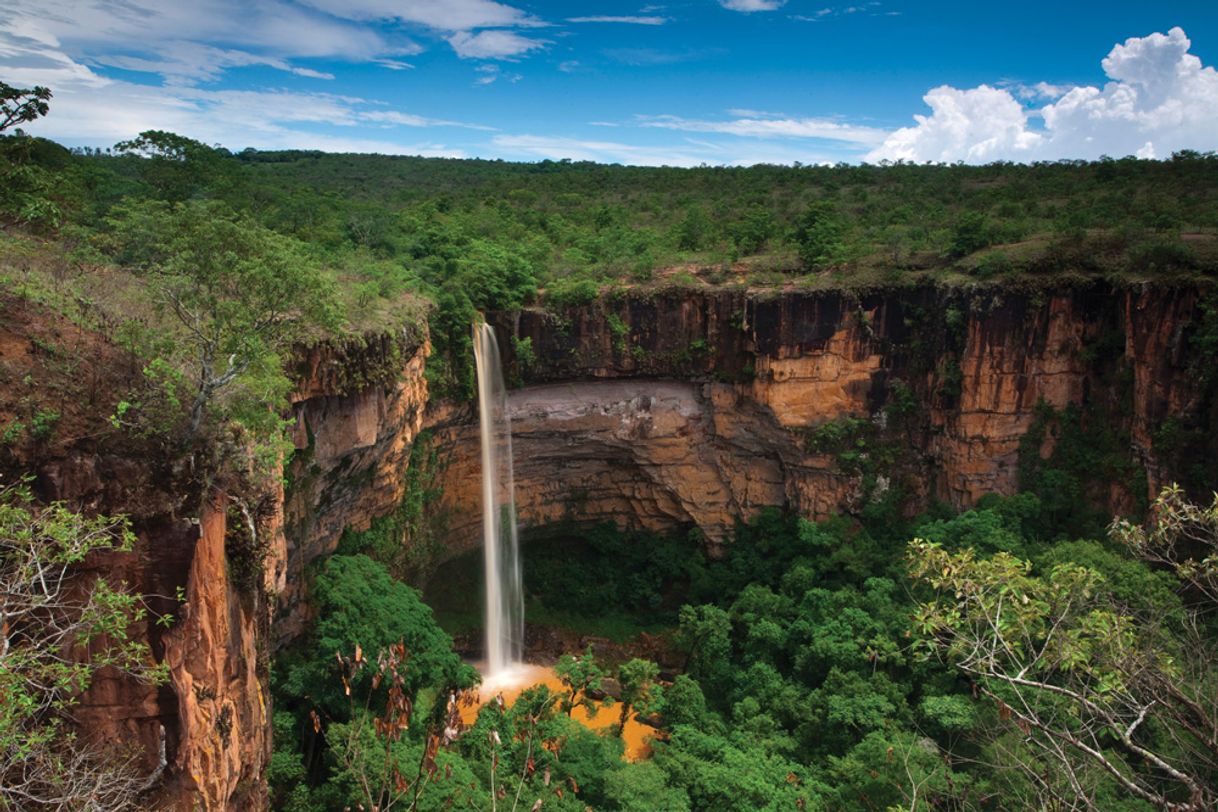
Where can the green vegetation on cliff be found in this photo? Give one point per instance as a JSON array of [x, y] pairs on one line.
[[470, 235]]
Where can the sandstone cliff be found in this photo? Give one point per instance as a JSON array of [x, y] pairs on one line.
[[357, 408], [694, 408]]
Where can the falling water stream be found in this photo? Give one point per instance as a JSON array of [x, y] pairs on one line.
[[504, 673], [504, 595]]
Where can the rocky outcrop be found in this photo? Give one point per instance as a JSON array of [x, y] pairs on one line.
[[357, 408], [694, 408], [649, 453], [210, 555], [218, 667]]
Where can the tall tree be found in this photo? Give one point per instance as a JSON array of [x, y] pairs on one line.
[[58, 629], [21, 105], [1096, 684], [241, 292]]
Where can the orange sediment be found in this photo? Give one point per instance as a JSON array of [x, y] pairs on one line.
[[636, 735]]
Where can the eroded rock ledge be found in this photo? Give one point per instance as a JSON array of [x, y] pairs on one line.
[[693, 408]]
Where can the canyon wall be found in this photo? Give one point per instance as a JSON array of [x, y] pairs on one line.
[[357, 409], [212, 559], [694, 408]]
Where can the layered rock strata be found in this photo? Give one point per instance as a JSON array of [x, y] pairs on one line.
[[694, 408]]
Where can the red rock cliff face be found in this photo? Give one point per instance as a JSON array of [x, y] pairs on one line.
[[216, 654], [204, 736], [358, 408], [693, 408]]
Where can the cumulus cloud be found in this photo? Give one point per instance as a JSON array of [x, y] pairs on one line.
[[752, 5], [493, 44], [979, 125], [1160, 99]]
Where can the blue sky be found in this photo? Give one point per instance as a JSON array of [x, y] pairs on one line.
[[699, 81]]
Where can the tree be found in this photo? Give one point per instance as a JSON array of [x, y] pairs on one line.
[[362, 714], [390, 768], [174, 165], [818, 234], [1183, 537], [642, 788], [360, 605], [162, 144], [32, 186], [58, 629], [581, 676], [894, 770], [639, 688], [751, 232], [241, 292], [1094, 685], [19, 105], [970, 234]]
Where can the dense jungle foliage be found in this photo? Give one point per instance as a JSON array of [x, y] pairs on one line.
[[474, 235], [818, 670], [1020, 655]]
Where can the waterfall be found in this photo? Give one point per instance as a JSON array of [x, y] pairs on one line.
[[504, 595]]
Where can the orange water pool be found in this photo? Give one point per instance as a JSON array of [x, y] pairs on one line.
[[637, 736]]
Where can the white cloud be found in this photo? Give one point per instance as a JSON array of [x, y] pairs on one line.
[[442, 15], [1160, 99], [559, 148], [871, 9], [185, 42], [191, 61], [691, 153], [752, 5], [490, 73], [492, 44], [745, 112], [395, 117], [628, 20], [979, 125], [274, 27], [764, 126], [310, 73], [98, 111]]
